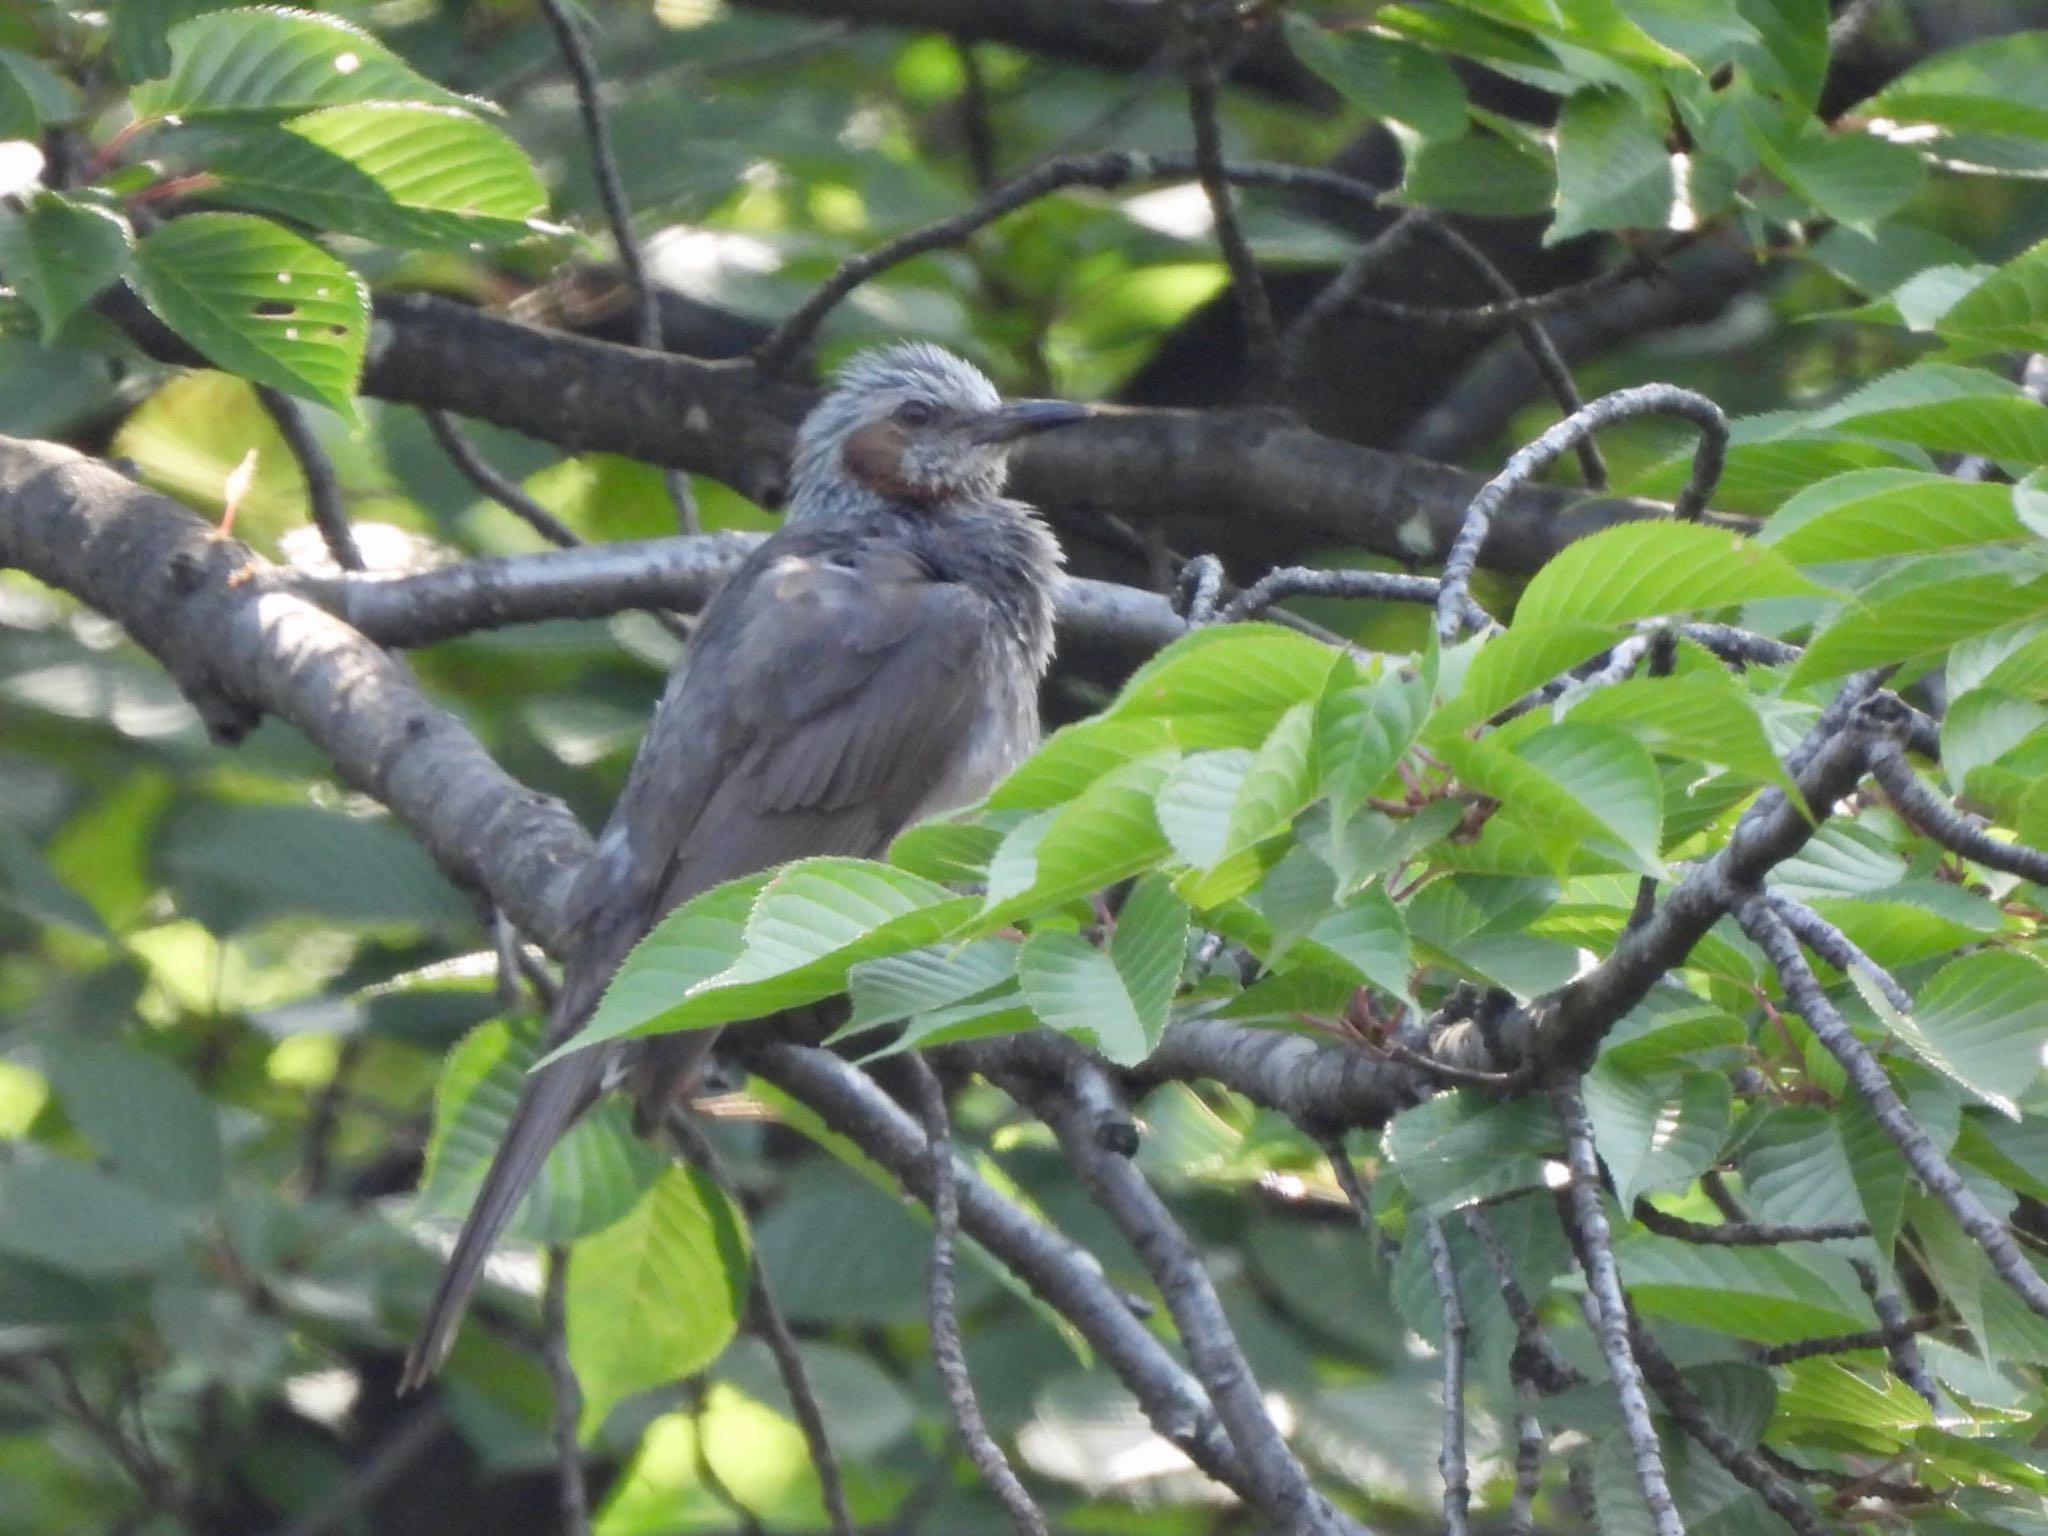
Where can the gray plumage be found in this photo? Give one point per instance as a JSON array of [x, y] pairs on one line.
[[876, 660]]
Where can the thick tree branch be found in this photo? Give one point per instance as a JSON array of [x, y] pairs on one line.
[[1064, 1275], [1279, 1487], [241, 643], [1595, 1251], [416, 608], [1109, 34], [1197, 471]]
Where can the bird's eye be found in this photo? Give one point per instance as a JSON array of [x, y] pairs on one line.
[[916, 413]]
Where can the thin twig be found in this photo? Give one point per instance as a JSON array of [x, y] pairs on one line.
[[1742, 1462], [611, 191], [1454, 604], [1945, 824], [323, 490], [1610, 1307], [1908, 1326], [765, 1314], [501, 488], [1450, 1460], [949, 1353], [977, 119], [1902, 1345], [411, 1439], [1744, 1234], [1536, 341], [1803, 991], [1836, 947], [1306, 581], [567, 1412], [1105, 171], [1546, 1368], [1345, 290], [1529, 1443], [1255, 309], [1281, 1486]]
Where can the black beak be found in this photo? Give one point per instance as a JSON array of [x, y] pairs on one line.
[[1021, 418]]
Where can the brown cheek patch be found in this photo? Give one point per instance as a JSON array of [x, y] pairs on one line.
[[874, 456]]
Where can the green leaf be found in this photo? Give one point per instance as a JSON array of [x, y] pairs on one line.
[[1368, 938], [1382, 76], [1760, 1294], [1108, 834], [1988, 86], [1945, 407], [1613, 171], [405, 175], [1197, 800], [1874, 513], [1075, 756], [1821, 1396], [142, 1114], [1795, 1168], [655, 1297], [1983, 1020], [893, 988], [2008, 309], [80, 1220], [1460, 1147], [1076, 989], [1856, 178], [1570, 784], [1653, 570], [803, 931], [1658, 1130], [1920, 621], [1361, 730], [1791, 60], [1697, 717], [1485, 174], [1118, 998], [1226, 686], [32, 96], [591, 1178], [1515, 663], [257, 300], [270, 61], [60, 254]]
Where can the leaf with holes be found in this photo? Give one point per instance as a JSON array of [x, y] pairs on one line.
[[409, 175], [591, 1177], [257, 300], [60, 254], [270, 61], [655, 1297]]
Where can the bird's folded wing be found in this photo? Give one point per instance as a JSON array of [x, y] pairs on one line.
[[833, 685]]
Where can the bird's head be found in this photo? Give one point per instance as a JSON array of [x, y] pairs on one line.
[[913, 424]]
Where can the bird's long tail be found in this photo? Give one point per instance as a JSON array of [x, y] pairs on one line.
[[554, 1097]]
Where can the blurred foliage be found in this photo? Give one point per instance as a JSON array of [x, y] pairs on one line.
[[233, 994]]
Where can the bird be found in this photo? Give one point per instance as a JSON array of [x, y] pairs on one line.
[[874, 661]]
